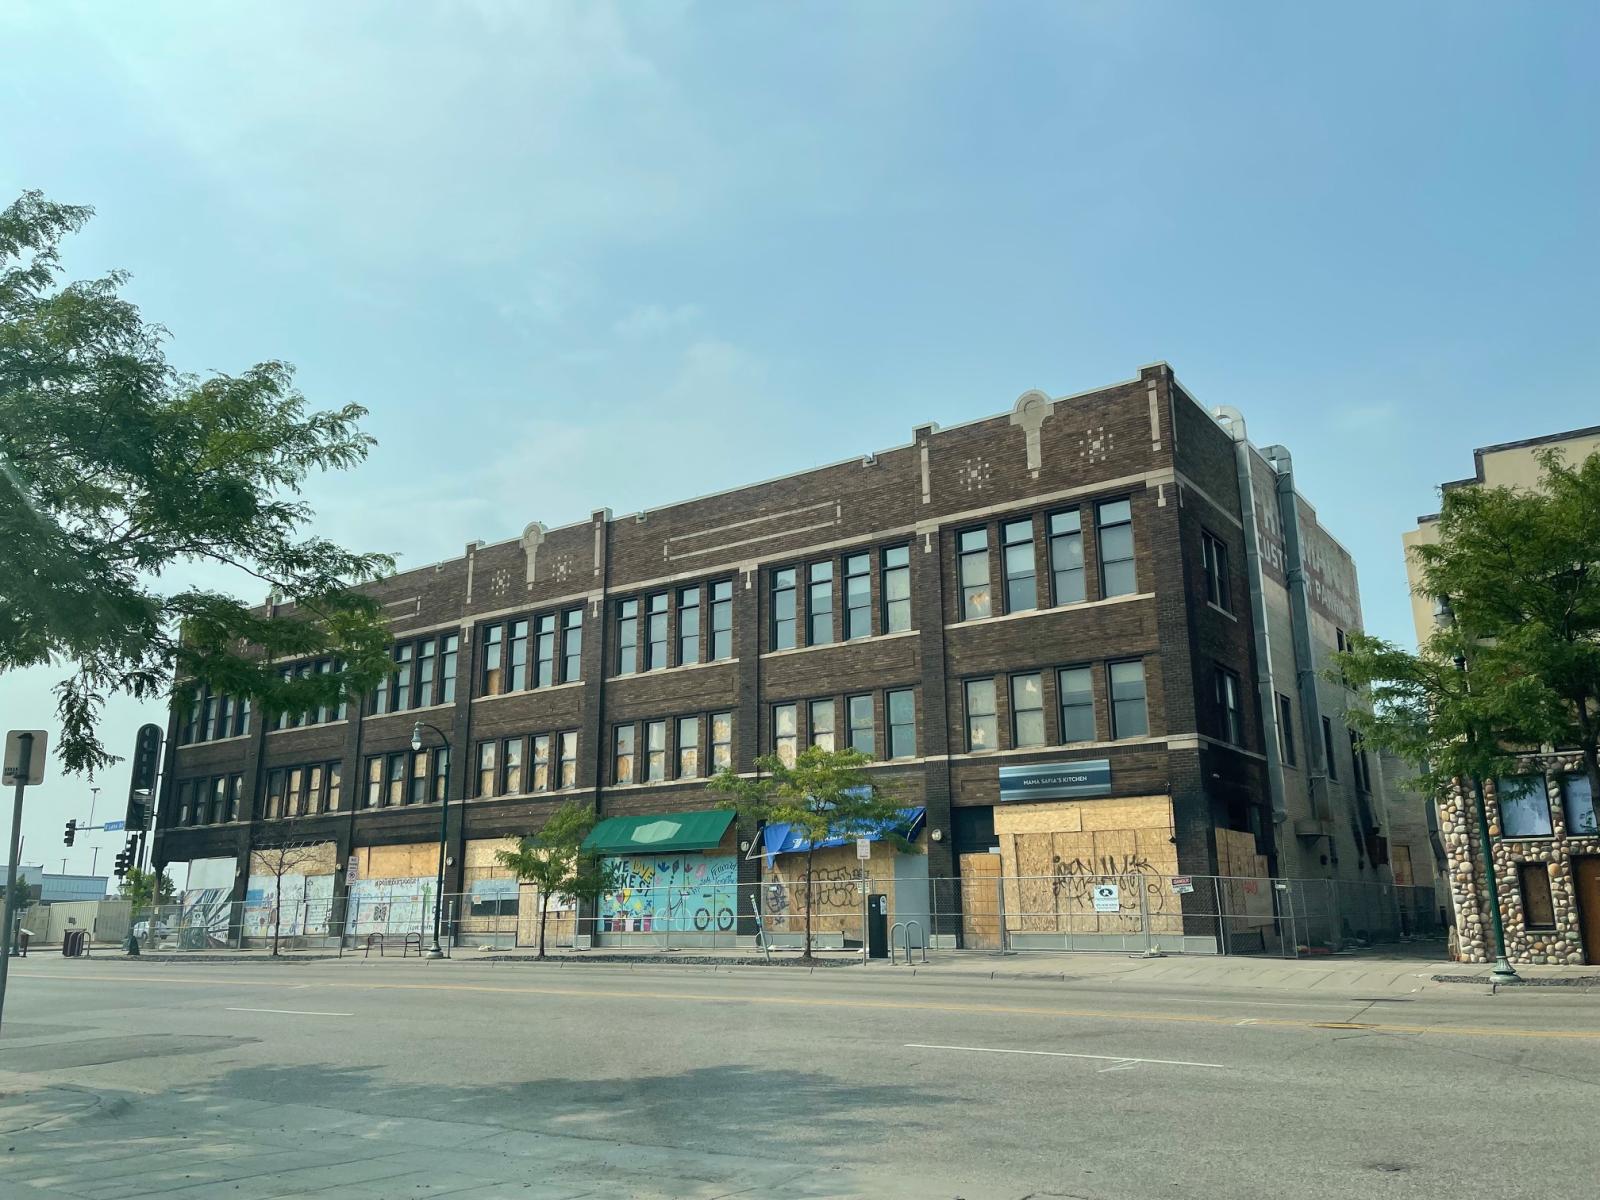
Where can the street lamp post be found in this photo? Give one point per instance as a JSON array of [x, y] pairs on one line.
[[435, 951]]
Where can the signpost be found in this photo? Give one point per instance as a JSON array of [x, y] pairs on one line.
[[23, 766]]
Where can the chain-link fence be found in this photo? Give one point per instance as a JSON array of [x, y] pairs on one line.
[[1130, 913]]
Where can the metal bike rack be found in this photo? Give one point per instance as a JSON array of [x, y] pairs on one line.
[[922, 941]]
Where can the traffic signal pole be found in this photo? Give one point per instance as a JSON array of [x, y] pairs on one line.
[[11, 916]]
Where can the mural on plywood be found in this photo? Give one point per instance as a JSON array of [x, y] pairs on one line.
[[391, 906], [305, 908], [678, 892]]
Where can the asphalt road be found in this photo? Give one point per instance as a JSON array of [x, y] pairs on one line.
[[392, 1080]]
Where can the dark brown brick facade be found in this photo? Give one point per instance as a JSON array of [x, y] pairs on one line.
[[1143, 441]]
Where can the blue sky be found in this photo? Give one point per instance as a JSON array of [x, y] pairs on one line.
[[586, 255]]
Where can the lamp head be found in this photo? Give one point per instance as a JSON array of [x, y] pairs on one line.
[[416, 736]]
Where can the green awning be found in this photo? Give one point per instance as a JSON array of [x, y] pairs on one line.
[[659, 832]]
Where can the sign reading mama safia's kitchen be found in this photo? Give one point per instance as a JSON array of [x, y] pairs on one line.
[[1056, 781]]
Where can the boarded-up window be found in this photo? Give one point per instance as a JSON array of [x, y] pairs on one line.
[[1538, 910]]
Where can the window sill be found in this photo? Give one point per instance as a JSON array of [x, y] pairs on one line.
[[658, 671], [295, 729], [233, 737], [1039, 612], [860, 641], [701, 780], [1217, 608], [524, 693], [552, 794], [406, 712]]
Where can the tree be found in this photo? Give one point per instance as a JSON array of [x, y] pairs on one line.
[[1452, 711], [825, 795], [116, 469], [554, 861], [21, 895], [1521, 571], [290, 852], [147, 889]]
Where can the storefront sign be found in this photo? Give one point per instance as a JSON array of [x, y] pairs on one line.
[[1057, 781]]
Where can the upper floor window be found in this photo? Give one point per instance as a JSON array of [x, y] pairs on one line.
[[1076, 685], [973, 554], [688, 625], [785, 732], [655, 646], [822, 729], [493, 678], [1129, 715], [862, 730], [567, 765], [1286, 729], [1114, 530], [1578, 803], [622, 754], [819, 604], [1358, 763], [516, 675], [900, 709], [211, 716], [983, 732], [541, 762], [544, 650], [1219, 588], [858, 596], [721, 740], [404, 656], [1022, 591], [298, 791], [1332, 763], [1228, 706], [1524, 806], [426, 667], [721, 620], [1027, 710], [1066, 557], [655, 751], [896, 585], [627, 637], [688, 747], [572, 645], [212, 801], [783, 609], [449, 652]]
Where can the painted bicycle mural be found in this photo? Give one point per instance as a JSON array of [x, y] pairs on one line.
[[679, 893]]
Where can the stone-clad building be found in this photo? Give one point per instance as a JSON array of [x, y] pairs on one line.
[[1085, 634], [1542, 822]]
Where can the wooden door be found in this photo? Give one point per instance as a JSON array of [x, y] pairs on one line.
[[1586, 881], [980, 901]]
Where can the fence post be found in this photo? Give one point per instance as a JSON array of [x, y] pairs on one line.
[[1150, 950], [1222, 924]]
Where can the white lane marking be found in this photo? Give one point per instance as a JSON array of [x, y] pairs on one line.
[[292, 1012], [1113, 1058], [1250, 1021]]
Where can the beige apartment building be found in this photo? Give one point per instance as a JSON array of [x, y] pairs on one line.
[[1542, 820]]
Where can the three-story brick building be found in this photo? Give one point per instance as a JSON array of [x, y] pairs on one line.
[[1083, 634]]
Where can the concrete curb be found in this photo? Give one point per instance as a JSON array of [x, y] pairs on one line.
[[1567, 981]]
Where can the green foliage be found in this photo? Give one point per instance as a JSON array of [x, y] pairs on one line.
[[553, 860], [1521, 572], [146, 889], [116, 469], [826, 794], [21, 894]]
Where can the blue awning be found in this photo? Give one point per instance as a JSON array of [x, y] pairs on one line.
[[787, 839]]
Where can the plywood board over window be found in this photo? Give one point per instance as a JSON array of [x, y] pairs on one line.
[[1053, 854], [1247, 889]]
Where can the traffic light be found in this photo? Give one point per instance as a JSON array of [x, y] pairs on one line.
[[142, 783], [71, 834], [124, 860]]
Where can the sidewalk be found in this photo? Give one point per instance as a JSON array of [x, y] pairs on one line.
[[1387, 971]]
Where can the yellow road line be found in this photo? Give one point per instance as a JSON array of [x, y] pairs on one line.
[[887, 1005]]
